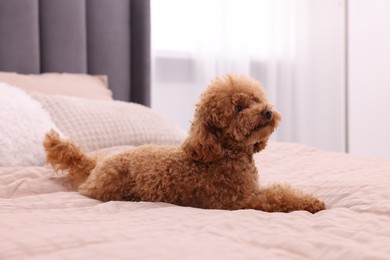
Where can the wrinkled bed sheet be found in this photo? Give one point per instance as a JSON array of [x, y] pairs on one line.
[[41, 219]]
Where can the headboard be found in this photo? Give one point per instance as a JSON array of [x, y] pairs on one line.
[[110, 37]]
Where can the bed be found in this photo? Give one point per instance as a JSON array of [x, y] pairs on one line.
[[84, 87]]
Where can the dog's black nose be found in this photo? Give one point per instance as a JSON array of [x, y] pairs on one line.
[[267, 114]]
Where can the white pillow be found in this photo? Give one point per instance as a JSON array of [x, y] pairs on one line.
[[23, 125], [97, 124]]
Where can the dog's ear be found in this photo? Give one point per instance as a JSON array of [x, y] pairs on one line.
[[257, 147], [202, 143]]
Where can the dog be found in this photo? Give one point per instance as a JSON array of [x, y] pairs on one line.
[[212, 169]]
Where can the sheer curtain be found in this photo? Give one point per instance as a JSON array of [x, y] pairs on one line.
[[291, 46]]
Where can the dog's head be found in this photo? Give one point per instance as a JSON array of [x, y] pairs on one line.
[[233, 115]]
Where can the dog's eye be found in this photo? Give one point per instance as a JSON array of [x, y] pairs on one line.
[[239, 108]]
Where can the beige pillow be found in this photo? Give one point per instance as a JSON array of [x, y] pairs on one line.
[[98, 124], [69, 84]]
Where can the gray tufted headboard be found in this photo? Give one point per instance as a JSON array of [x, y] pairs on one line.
[[109, 37]]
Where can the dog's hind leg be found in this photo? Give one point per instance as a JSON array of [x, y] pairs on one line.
[[65, 155], [109, 180]]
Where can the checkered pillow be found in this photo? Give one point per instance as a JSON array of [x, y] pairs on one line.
[[96, 124]]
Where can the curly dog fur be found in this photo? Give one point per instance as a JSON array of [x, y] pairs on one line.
[[212, 169]]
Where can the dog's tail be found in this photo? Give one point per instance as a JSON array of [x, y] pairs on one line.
[[65, 155]]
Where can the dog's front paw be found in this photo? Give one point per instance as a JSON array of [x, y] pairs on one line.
[[315, 205]]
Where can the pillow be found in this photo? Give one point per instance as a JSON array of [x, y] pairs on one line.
[[78, 85], [23, 125], [98, 124]]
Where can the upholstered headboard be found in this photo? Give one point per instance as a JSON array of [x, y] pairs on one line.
[[109, 37]]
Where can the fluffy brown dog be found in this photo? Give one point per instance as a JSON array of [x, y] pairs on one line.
[[212, 169]]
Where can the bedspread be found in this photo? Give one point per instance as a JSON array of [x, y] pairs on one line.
[[41, 219]]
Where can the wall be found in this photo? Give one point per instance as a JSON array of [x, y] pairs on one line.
[[369, 77]]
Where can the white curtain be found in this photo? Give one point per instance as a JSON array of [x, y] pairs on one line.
[[274, 41]]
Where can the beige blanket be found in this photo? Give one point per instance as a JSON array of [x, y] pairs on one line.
[[41, 219]]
